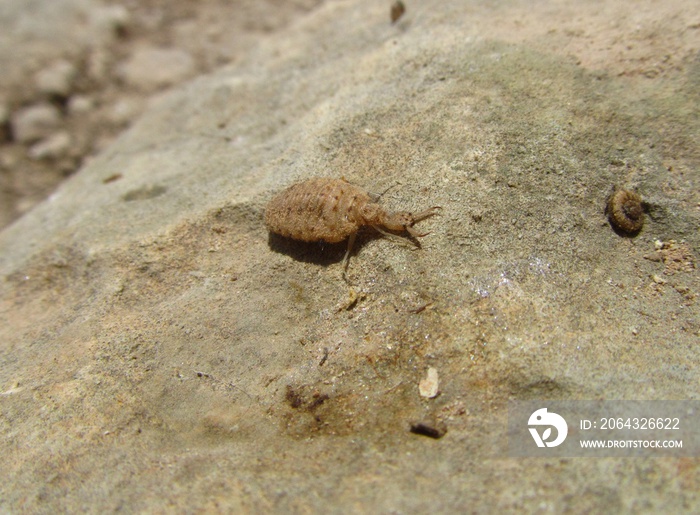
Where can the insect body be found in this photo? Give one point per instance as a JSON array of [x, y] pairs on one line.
[[333, 210]]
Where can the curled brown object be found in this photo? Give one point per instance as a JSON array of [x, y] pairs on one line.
[[625, 211]]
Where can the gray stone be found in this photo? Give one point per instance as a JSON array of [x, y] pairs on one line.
[[35, 122], [56, 79], [110, 18], [44, 31], [80, 104], [52, 147], [125, 111], [152, 68]]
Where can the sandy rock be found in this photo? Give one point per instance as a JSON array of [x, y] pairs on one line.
[[4, 122], [99, 64], [45, 31], [156, 342], [52, 147], [125, 111], [112, 19], [151, 68], [35, 122], [56, 79], [80, 104]]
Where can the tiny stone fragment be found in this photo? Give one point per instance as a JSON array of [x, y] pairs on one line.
[[397, 10], [431, 431], [151, 68], [4, 118], [677, 257], [125, 110], [35, 122], [54, 146], [56, 79], [79, 104], [428, 387], [112, 18], [658, 279]]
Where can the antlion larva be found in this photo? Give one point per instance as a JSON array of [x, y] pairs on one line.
[[333, 210]]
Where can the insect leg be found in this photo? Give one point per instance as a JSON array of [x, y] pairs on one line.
[[346, 259]]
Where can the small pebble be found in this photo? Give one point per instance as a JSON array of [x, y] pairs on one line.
[[435, 431], [99, 64], [151, 68], [658, 279], [54, 146], [4, 114], [428, 387], [4, 118], [57, 79], [35, 122], [124, 111], [112, 18], [80, 104], [397, 10]]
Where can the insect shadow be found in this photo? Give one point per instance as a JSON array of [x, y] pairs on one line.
[[319, 252]]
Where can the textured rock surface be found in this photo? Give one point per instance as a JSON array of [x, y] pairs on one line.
[[152, 68], [35, 122], [159, 349], [67, 51], [57, 79]]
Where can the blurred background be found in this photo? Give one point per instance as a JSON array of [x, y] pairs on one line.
[[75, 73]]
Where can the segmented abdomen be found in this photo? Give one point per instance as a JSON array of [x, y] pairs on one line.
[[317, 209]]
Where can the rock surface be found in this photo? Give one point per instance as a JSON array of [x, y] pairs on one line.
[[57, 79], [153, 68], [62, 50], [161, 352], [52, 147], [35, 122]]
